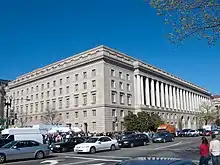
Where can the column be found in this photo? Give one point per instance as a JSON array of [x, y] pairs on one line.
[[196, 102], [193, 102], [152, 93], [166, 96], [135, 90], [162, 94], [184, 99], [187, 101], [147, 91], [178, 97], [158, 93], [138, 89], [171, 96], [174, 98], [181, 99], [142, 91], [190, 101]]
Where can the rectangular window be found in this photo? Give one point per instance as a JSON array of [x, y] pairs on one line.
[[129, 99], [122, 113], [76, 101], [94, 126], [60, 103], [31, 109], [61, 81], [84, 99], [48, 85], [36, 107], [27, 90], [128, 77], [93, 112], [67, 79], [76, 87], [128, 87], [54, 93], [76, 77], [32, 89], [42, 95], [84, 85], [22, 100], [67, 90], [67, 115], [32, 97], [112, 72], [113, 97], [121, 85], [76, 115], [114, 112], [36, 96], [48, 94], [37, 88], [113, 84], [35, 118], [54, 83], [93, 98], [61, 91], [67, 102], [120, 75], [93, 73], [21, 109], [113, 126], [54, 105], [85, 113], [93, 83], [48, 105], [84, 75], [22, 92], [42, 86], [17, 93], [121, 98], [26, 109]]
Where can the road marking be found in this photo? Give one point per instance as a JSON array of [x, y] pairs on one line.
[[20, 161], [95, 159], [176, 144], [95, 155], [51, 162], [86, 161]]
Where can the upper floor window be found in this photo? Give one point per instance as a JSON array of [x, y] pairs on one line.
[[85, 113], [114, 112], [27, 90], [84, 74], [112, 72], [37, 88], [67, 79], [122, 113], [67, 102], [84, 85], [60, 103], [93, 73], [61, 81], [129, 99], [113, 84], [128, 77], [93, 83], [93, 112], [113, 97], [67, 90], [121, 98], [76, 101], [61, 91], [42, 95], [54, 104], [54, 83], [42, 86], [22, 92], [93, 98], [120, 75], [121, 85], [128, 87], [84, 99], [48, 85], [76, 87], [48, 93], [76, 77], [54, 92]]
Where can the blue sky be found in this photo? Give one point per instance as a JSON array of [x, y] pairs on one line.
[[34, 33]]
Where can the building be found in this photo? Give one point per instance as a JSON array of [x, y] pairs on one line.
[[216, 102], [3, 85], [95, 89]]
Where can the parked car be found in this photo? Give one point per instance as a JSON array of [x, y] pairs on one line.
[[133, 140], [163, 137], [208, 133], [193, 133], [66, 144], [216, 132], [184, 132], [4, 141], [201, 131], [24, 149], [97, 144]]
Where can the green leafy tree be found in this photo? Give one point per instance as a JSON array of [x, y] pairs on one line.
[[154, 121], [143, 121], [131, 122], [217, 122], [200, 18]]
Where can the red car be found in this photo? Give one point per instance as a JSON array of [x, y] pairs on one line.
[[208, 133]]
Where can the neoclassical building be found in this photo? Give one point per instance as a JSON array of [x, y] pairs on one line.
[[95, 89]]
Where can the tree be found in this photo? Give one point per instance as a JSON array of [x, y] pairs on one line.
[[22, 120], [51, 117], [154, 121], [200, 18], [131, 122], [217, 122]]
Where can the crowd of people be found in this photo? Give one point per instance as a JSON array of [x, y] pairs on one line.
[[210, 151]]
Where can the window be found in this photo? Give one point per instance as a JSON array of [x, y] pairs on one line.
[[129, 99], [113, 97], [76, 101], [48, 105], [113, 126], [93, 73], [120, 75], [76, 115], [67, 90], [42, 86], [84, 99], [121, 85], [35, 118], [93, 83], [22, 100], [114, 112], [42, 106], [17, 93], [76, 124], [84, 113], [54, 105], [36, 96], [30, 119], [61, 81], [26, 108], [48, 85], [84, 85], [54, 92], [84, 74], [32, 89], [122, 113], [128, 77], [121, 98], [76, 87], [93, 98], [113, 84], [32, 97], [31, 109], [67, 102], [112, 72], [37, 88], [61, 91], [60, 103], [94, 126], [27, 90], [42, 95], [128, 87], [60, 116], [54, 83], [67, 115], [67, 79], [76, 77], [21, 109], [22, 92], [93, 112], [26, 98], [48, 94], [36, 107]]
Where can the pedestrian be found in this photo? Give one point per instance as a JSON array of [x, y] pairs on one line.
[[214, 149], [204, 152]]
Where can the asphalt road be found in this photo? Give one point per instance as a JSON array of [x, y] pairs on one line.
[[186, 148]]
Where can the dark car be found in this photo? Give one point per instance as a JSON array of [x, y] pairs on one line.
[[66, 144], [208, 133], [184, 132], [201, 131], [4, 141], [163, 137], [132, 140]]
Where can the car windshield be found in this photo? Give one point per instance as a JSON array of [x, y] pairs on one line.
[[192, 131], [4, 136], [159, 134], [126, 137], [9, 145], [91, 140]]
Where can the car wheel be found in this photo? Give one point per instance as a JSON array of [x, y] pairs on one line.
[[2, 158], [145, 143], [113, 147], [39, 155], [92, 150], [64, 150], [164, 140], [131, 145]]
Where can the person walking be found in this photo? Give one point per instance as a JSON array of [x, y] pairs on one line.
[[214, 149], [204, 152]]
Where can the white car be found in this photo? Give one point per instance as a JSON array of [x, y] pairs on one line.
[[97, 144]]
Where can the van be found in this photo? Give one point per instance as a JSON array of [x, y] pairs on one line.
[[13, 134], [167, 127]]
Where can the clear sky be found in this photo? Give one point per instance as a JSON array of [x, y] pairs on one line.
[[34, 33]]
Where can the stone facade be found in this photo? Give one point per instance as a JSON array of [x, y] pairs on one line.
[[3, 86], [95, 89]]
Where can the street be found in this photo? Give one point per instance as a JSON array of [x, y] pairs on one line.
[[185, 147]]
